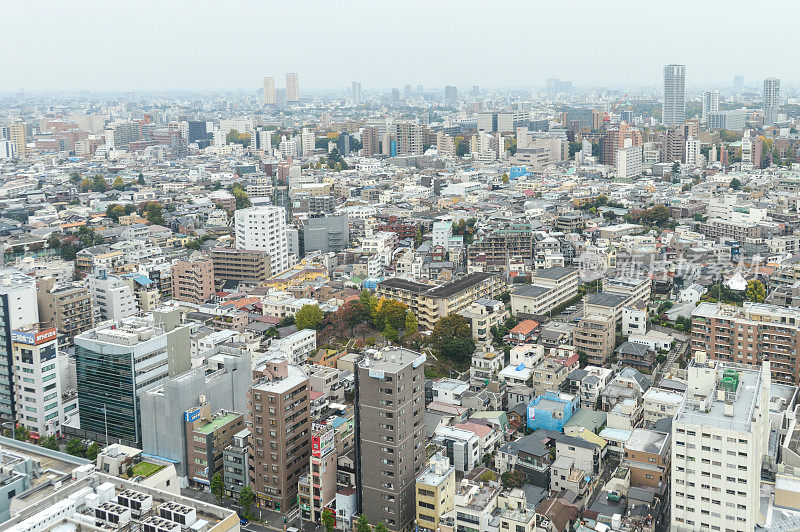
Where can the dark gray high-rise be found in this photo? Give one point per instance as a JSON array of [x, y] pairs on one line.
[[390, 425]]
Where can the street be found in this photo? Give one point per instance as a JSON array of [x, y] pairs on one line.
[[264, 519]]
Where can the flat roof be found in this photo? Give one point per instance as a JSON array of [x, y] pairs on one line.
[[459, 285], [606, 299], [403, 284], [214, 424], [555, 272]]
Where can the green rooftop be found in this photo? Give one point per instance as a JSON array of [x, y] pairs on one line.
[[146, 469], [213, 425]]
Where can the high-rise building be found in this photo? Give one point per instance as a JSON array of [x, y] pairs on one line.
[[331, 233], [710, 104], [674, 107], [356, 93], [8, 149], [292, 88], [451, 93], [263, 228], [193, 280], [280, 413], [409, 138], [269, 91], [38, 388], [65, 306], [692, 152], [118, 362], [738, 84], [369, 141], [196, 130], [629, 161], [19, 136], [390, 434], [17, 309], [308, 140], [407, 91], [720, 435], [772, 97]]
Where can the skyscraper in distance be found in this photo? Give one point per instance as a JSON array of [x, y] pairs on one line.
[[269, 91], [356, 93], [710, 104], [451, 93], [738, 83], [772, 97], [292, 88], [674, 107]]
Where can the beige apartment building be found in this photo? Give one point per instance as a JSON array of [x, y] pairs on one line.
[[247, 266], [431, 303], [594, 335], [193, 280], [279, 402], [549, 289], [65, 306]]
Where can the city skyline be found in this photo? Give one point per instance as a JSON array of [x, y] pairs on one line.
[[228, 50]]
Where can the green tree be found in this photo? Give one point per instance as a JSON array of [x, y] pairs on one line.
[[487, 459], [54, 241], [380, 527], [418, 237], [92, 451], [583, 359], [362, 524], [75, 177], [49, 442], [390, 333], [735, 184], [513, 479], [217, 486], [308, 317], [488, 476], [676, 168], [234, 137], [462, 146], [242, 198], [412, 326], [452, 338], [119, 184], [99, 183], [755, 291], [22, 433], [505, 177], [391, 312], [328, 519], [140, 180], [154, 213], [75, 447], [246, 497]]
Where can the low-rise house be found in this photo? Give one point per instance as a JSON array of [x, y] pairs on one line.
[[647, 454], [660, 404], [551, 410]]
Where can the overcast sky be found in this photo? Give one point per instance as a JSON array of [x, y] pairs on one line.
[[230, 44]]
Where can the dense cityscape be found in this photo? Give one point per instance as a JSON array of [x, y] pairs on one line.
[[415, 308]]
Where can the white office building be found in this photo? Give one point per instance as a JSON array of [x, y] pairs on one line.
[[442, 231], [112, 297], [692, 152], [629, 161], [263, 228], [720, 434], [772, 100]]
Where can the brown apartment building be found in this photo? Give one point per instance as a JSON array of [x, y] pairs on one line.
[[65, 306], [246, 266], [390, 434], [647, 454], [595, 335], [207, 435], [279, 409], [193, 280]]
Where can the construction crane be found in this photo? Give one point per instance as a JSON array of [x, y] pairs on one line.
[[607, 115]]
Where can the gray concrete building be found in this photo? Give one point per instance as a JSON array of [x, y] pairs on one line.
[[390, 434], [331, 233], [222, 383]]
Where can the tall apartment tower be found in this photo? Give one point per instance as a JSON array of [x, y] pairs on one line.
[[193, 280], [451, 93], [17, 309], [719, 436], [263, 228], [409, 138], [738, 84], [710, 104], [269, 91], [674, 107], [356, 93], [292, 87], [280, 412], [390, 434], [369, 141], [772, 97], [18, 135]]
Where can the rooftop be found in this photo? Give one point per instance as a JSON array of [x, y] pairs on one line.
[[216, 423], [555, 273], [606, 299]]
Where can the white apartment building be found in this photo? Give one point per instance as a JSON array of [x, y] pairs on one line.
[[112, 297], [37, 380], [263, 228], [720, 435], [442, 231], [659, 404], [692, 152], [710, 104], [629, 161], [296, 348]]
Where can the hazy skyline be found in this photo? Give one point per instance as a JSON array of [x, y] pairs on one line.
[[204, 45]]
